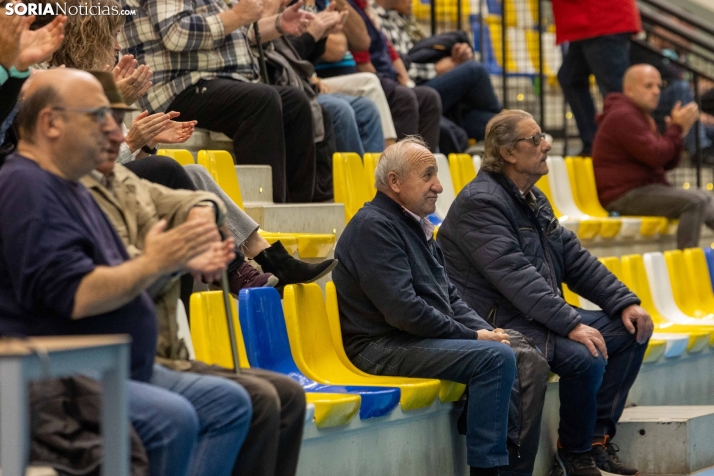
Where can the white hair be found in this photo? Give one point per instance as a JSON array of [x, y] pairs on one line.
[[394, 159]]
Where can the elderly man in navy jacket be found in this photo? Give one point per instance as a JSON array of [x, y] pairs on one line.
[[508, 257], [400, 315]]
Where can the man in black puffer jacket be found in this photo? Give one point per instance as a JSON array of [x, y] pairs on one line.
[[508, 256]]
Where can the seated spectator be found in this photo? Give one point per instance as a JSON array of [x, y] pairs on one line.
[[467, 96], [400, 315], [203, 68], [20, 48], [134, 206], [630, 162], [414, 110], [66, 272], [509, 257]]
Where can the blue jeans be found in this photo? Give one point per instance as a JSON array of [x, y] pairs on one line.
[[607, 57], [488, 368], [356, 121], [189, 424], [593, 390], [467, 87]]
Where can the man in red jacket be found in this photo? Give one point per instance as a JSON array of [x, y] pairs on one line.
[[630, 157], [598, 32]]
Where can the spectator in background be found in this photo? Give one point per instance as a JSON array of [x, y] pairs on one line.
[[21, 48], [414, 110], [598, 33], [467, 96], [66, 272], [631, 157], [509, 257], [204, 69]]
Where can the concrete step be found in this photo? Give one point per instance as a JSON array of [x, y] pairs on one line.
[[299, 217], [256, 183], [667, 440]]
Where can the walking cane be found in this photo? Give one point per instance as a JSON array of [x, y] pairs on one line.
[[229, 317], [261, 55]]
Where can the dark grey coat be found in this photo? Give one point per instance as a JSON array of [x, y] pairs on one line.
[[508, 262]]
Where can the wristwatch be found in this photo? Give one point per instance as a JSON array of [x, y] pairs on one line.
[[149, 150]]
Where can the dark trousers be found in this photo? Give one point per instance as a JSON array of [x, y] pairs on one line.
[[414, 111], [162, 170], [272, 446], [467, 97], [487, 368], [593, 390], [269, 125], [607, 57]]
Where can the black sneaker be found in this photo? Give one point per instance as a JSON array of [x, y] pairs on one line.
[[576, 464], [605, 456]]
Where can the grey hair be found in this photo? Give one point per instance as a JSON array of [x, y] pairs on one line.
[[501, 131], [393, 159]]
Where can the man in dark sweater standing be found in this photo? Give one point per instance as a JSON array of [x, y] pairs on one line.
[[630, 157], [401, 316]]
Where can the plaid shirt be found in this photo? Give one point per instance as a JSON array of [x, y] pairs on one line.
[[394, 27], [183, 42]]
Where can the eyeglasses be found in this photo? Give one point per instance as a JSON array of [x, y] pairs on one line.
[[99, 114], [535, 138]]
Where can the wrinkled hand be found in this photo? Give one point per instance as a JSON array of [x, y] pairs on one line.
[[683, 116], [170, 251], [444, 65], [322, 87], [642, 322], [175, 132], [144, 128], [323, 22], [249, 11], [37, 46], [590, 338], [209, 265], [294, 21], [497, 335], [11, 28], [132, 81], [461, 52]]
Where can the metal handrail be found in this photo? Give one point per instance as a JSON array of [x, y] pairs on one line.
[[673, 27], [680, 14], [678, 62]]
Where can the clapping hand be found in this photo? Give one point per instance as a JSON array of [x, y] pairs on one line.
[[133, 82], [294, 21]]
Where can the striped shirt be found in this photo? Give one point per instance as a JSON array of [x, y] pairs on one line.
[[183, 42]]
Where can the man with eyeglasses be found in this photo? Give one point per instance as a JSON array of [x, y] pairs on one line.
[[65, 271], [508, 257]]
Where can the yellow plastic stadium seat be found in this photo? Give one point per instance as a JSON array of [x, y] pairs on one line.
[[583, 178], [209, 333], [534, 51], [685, 288], [587, 228], [370, 164], [655, 350], [627, 271], [350, 183], [315, 354], [697, 269], [220, 165], [494, 27], [570, 297], [182, 156], [448, 392], [290, 242], [462, 170]]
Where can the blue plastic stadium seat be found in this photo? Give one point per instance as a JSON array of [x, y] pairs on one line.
[[267, 345], [709, 252]]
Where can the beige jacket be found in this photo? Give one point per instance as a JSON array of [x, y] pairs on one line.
[[134, 207]]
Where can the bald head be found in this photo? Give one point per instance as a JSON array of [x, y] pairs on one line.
[[642, 84], [65, 122], [52, 88]]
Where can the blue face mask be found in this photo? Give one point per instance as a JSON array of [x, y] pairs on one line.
[[671, 54]]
